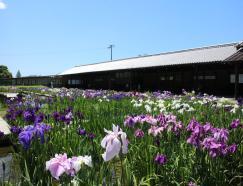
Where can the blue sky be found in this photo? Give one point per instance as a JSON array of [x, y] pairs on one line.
[[48, 36]]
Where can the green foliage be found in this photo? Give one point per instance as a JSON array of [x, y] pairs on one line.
[[18, 74], [4, 72], [185, 163]]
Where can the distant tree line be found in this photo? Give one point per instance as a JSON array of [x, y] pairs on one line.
[[18, 75], [4, 72]]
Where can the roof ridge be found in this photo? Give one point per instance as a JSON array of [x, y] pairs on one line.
[[164, 53]]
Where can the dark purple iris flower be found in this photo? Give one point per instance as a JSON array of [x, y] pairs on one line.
[[19, 112], [29, 116], [56, 116], [16, 129], [68, 118], [160, 159], [240, 101], [1, 134], [235, 123], [129, 121], [81, 132], [69, 109], [91, 136], [10, 117], [39, 118]]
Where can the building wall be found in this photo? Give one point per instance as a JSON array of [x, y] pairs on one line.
[[210, 78], [30, 81]]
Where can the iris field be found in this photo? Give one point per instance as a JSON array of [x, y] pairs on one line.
[[88, 137]]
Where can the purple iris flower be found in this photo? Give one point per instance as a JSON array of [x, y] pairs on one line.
[[1, 134], [81, 132], [214, 140], [10, 117], [192, 184], [39, 118], [129, 121], [56, 116], [139, 133], [221, 134], [232, 148], [16, 129], [240, 101], [207, 127], [29, 116], [69, 109], [91, 136], [66, 118], [19, 112], [235, 123], [33, 131], [25, 138], [40, 129], [160, 159]]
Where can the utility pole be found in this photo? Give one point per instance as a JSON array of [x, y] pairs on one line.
[[110, 47]]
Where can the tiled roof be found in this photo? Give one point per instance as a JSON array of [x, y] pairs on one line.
[[216, 53]]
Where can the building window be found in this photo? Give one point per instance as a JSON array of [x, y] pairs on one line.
[[77, 82], [200, 77], [98, 79], [162, 78], [210, 77], [171, 78], [74, 82], [123, 74], [232, 78]]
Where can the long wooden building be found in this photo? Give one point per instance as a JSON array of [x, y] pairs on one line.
[[213, 69]]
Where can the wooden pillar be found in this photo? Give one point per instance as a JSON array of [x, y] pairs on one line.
[[195, 74], [109, 80], [130, 80], [236, 92]]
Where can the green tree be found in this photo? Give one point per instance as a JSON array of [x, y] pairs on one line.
[[18, 75], [4, 72]]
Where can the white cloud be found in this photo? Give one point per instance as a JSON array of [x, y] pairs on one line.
[[2, 5]]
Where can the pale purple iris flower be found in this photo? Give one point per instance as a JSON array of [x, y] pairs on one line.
[[61, 164], [114, 142], [77, 162], [155, 130], [58, 165]]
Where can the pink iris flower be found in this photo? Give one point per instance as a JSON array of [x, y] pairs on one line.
[[61, 164], [58, 165], [114, 142], [154, 130]]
